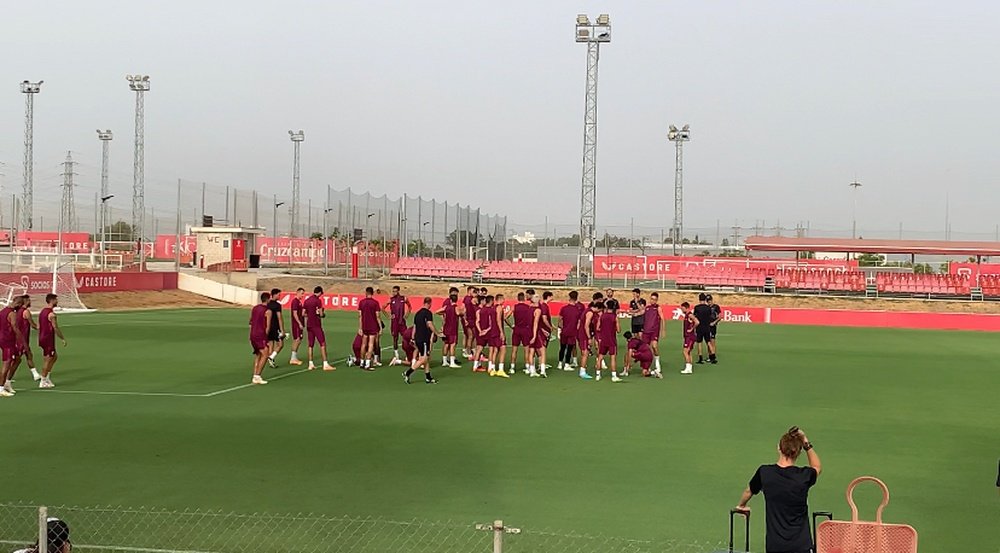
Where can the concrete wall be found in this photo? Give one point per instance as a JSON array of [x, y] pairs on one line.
[[216, 290], [214, 247]]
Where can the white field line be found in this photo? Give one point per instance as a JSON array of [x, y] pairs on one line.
[[171, 394], [115, 548]]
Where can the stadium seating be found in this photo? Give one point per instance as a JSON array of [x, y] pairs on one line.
[[427, 267], [924, 284], [722, 275], [516, 271], [990, 285]]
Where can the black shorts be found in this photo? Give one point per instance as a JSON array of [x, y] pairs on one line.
[[637, 328], [274, 335], [423, 348], [713, 330], [703, 334]]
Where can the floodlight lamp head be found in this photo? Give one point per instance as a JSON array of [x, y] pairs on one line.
[[603, 19], [673, 128], [582, 19], [686, 127]]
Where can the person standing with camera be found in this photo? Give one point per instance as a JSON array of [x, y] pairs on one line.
[[786, 493]]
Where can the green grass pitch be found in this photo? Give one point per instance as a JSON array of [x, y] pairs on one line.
[[644, 459]]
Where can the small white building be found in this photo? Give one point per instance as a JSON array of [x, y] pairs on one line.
[[225, 249]]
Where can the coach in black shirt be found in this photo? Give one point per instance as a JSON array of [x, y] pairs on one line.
[[786, 493], [610, 303], [703, 312]]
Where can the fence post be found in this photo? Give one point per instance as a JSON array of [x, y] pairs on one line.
[[43, 530], [497, 536]]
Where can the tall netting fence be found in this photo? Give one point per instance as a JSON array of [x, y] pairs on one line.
[[145, 530]]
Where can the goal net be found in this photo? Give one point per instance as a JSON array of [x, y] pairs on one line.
[[38, 285]]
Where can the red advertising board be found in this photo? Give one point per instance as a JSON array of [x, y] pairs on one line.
[[73, 242], [973, 269], [282, 251], [664, 266], [37, 283], [163, 247]]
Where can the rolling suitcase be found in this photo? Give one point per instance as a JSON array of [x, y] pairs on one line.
[[858, 536], [746, 530]]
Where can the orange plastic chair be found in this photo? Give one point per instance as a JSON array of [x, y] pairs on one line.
[[857, 536]]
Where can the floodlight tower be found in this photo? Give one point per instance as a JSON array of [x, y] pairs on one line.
[[297, 139], [29, 89], [140, 85], [105, 138], [592, 34], [678, 137], [856, 185]]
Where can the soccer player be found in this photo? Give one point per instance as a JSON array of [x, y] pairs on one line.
[[451, 311], [637, 308], [542, 339], [276, 330], [639, 351], [569, 324], [355, 357], [716, 318], [489, 337], [470, 302], [10, 342], [607, 340], [534, 340], [409, 347], [313, 306], [690, 335], [588, 323], [298, 324], [27, 323], [398, 308], [652, 329], [368, 327], [503, 316], [520, 336], [423, 333], [610, 303], [48, 329], [260, 328], [703, 312]]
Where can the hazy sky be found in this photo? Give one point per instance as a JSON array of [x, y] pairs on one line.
[[482, 103]]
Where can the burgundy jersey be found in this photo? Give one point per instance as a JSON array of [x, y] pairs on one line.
[[408, 335], [297, 310], [523, 318], [450, 327], [487, 317], [24, 323], [46, 332], [397, 309], [608, 331], [312, 306], [570, 316], [369, 309], [258, 321], [7, 336], [470, 310], [651, 322], [545, 323], [639, 347], [689, 326]]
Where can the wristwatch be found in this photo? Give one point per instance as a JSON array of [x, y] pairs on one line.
[[807, 446]]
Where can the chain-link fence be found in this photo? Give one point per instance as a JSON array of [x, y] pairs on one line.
[[143, 530]]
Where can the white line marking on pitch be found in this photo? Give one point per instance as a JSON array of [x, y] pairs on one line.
[[100, 393], [242, 386], [172, 394]]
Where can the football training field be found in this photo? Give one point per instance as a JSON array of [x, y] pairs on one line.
[[154, 409]]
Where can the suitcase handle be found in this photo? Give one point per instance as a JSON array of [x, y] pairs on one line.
[[850, 497], [828, 515], [746, 530]]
